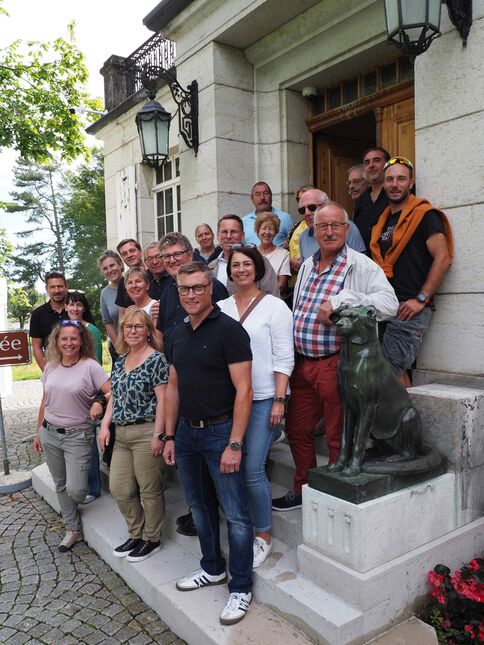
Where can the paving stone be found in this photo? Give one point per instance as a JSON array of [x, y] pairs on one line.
[[53, 598]]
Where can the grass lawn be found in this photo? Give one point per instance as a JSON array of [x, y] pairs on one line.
[[32, 372]]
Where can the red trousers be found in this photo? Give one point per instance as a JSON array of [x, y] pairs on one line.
[[314, 394]]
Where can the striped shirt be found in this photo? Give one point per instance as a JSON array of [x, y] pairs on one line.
[[311, 337]]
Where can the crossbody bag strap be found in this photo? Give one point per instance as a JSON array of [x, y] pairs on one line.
[[252, 306]]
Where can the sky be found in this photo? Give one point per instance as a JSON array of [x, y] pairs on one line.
[[102, 28]]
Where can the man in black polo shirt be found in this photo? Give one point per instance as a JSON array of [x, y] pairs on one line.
[[210, 387], [43, 318]]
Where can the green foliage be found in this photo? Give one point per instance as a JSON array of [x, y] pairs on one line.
[[19, 305], [40, 82], [84, 222], [6, 249]]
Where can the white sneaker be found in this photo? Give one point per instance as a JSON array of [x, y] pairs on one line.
[[279, 439], [199, 579], [261, 551], [237, 606], [69, 539]]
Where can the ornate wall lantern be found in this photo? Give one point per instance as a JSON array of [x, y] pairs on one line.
[[413, 24]]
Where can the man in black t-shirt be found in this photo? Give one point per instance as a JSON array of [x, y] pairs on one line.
[[412, 243], [43, 318], [210, 388], [371, 204]]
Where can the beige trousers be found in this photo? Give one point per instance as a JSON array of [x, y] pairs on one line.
[[136, 481]]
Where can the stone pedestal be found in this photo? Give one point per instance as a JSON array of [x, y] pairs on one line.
[[365, 536]]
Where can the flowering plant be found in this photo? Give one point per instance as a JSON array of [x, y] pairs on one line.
[[457, 612]]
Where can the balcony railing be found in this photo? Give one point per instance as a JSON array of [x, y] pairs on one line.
[[155, 52]]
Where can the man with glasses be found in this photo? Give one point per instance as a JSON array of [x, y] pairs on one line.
[[309, 202], [412, 242], [261, 197], [159, 278], [335, 275], [43, 318], [357, 183], [230, 233], [208, 402], [373, 201]]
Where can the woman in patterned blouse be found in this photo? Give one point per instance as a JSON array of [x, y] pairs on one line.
[[139, 380]]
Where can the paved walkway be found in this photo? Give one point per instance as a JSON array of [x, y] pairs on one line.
[[46, 596]]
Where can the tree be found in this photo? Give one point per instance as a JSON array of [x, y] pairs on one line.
[[40, 83], [39, 201], [6, 249], [84, 221], [19, 305]]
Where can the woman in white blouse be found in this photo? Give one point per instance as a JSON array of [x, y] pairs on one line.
[[267, 227], [268, 321]]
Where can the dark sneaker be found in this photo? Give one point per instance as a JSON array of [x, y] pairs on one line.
[[200, 578], [237, 606], [69, 539], [125, 549], [187, 526], [287, 502], [143, 551]]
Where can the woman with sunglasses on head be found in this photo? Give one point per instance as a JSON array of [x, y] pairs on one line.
[[267, 227], [268, 321], [71, 382], [139, 380], [78, 309]]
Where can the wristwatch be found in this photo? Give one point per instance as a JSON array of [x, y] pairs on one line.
[[164, 437], [235, 445], [280, 399], [422, 298]]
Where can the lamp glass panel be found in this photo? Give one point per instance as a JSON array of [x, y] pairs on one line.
[[435, 11], [414, 12], [162, 137], [148, 137], [391, 12]]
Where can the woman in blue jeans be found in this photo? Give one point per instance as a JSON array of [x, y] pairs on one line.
[[268, 321]]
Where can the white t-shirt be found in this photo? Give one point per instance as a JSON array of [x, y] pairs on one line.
[[279, 259], [269, 326], [69, 392]]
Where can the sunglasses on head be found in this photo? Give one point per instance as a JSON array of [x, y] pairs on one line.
[[310, 207], [249, 245], [401, 160], [67, 323]]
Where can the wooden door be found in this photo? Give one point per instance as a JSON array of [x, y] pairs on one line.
[[397, 129]]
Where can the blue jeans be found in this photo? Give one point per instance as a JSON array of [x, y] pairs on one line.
[[258, 440], [198, 454], [94, 478]]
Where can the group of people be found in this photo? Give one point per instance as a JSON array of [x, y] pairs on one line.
[[208, 359]]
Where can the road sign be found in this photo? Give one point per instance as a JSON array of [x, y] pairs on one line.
[[14, 347]]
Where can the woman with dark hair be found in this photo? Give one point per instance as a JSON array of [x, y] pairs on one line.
[[139, 380], [78, 308], [268, 321], [71, 381]]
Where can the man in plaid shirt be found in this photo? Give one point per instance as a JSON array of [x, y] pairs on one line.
[[333, 276]]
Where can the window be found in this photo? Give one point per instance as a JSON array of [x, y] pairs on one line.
[[167, 197]]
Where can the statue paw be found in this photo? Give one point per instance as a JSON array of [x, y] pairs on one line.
[[336, 467], [351, 471]]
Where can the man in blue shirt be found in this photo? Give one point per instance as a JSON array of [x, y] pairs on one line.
[[309, 202], [261, 196]]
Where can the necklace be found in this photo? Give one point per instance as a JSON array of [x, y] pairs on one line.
[[72, 364]]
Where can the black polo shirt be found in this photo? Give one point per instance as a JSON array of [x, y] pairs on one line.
[[201, 358], [157, 287], [43, 319], [367, 212]]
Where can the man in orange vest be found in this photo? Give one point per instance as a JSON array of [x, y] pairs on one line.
[[412, 242]]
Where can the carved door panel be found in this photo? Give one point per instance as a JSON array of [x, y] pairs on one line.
[[397, 128]]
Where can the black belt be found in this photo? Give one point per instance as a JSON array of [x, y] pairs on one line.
[[316, 358], [45, 425], [203, 423], [137, 422]]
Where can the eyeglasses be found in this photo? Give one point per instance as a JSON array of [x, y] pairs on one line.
[[357, 182], [68, 323], [249, 245], [197, 289], [75, 291], [336, 226], [401, 160], [136, 327], [310, 207], [154, 258], [166, 257]]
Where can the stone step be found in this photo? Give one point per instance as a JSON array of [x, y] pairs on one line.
[[280, 465], [286, 605]]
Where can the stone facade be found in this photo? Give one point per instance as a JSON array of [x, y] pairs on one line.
[[251, 62]]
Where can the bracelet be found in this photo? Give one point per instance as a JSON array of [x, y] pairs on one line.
[[168, 437], [100, 398]]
